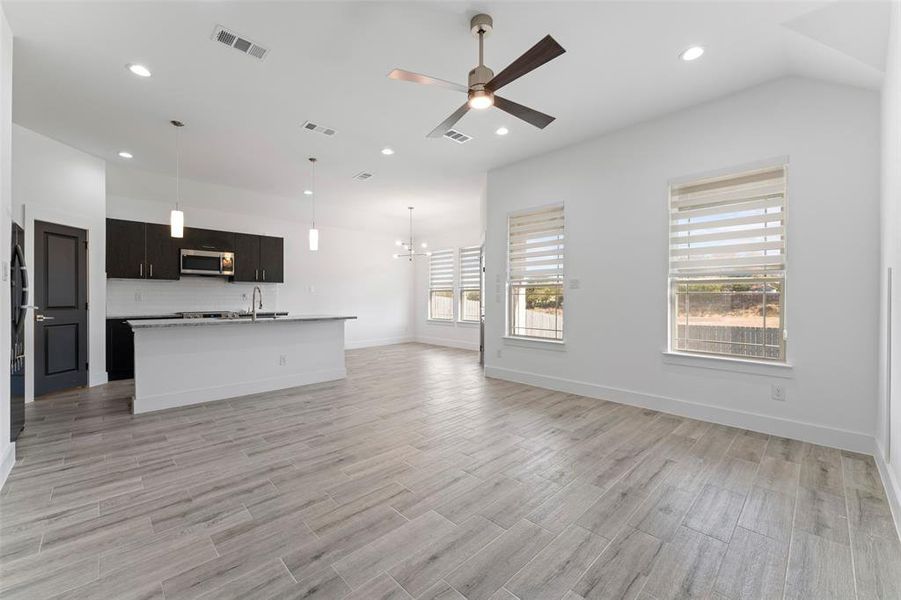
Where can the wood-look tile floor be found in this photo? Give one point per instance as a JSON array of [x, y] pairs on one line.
[[418, 477]]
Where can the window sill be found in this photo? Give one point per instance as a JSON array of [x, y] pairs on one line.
[[555, 345], [440, 321], [735, 365], [468, 323]]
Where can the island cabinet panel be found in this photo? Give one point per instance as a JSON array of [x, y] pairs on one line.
[[209, 239], [272, 259], [125, 244], [120, 350], [162, 252], [247, 257]]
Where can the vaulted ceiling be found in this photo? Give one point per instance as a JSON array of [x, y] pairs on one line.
[[328, 62]]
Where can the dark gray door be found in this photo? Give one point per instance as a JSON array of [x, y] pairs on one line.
[[61, 316]]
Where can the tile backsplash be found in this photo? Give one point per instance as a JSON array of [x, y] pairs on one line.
[[135, 297]]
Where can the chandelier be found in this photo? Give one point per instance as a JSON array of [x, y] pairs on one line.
[[410, 246]]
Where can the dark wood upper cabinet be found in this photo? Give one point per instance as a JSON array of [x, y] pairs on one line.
[[125, 243], [272, 259], [162, 252], [209, 239], [136, 250], [247, 257]]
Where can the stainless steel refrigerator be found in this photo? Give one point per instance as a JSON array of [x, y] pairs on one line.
[[18, 283]]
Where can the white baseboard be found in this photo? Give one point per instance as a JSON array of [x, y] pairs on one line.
[[799, 430], [157, 402], [377, 342], [7, 461], [449, 343], [891, 483], [99, 379]]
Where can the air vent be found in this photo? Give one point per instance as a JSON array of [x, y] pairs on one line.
[[238, 42], [457, 136], [310, 126], [363, 176]]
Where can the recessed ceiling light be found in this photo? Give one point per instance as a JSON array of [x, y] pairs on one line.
[[308, 192], [139, 70], [125, 154], [387, 151], [692, 53], [502, 131]]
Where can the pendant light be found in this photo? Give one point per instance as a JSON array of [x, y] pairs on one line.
[[314, 233], [177, 217], [408, 246]]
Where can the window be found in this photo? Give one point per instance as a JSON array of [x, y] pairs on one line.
[[535, 274], [727, 265], [471, 284], [441, 285]]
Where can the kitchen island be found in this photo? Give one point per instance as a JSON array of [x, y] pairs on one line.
[[179, 362]]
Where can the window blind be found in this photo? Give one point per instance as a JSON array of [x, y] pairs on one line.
[[441, 270], [470, 268], [729, 226], [536, 251]]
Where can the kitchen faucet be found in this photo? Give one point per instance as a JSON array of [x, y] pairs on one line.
[[253, 301]]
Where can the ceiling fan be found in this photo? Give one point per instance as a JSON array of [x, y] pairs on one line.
[[483, 83]]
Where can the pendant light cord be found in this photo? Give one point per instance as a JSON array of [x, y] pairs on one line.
[[177, 169]]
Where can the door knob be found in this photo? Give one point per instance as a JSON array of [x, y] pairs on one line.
[[43, 318]]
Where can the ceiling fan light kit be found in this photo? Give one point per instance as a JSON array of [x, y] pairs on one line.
[[483, 83]]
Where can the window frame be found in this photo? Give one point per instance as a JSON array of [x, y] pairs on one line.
[[509, 333], [461, 289], [735, 171], [451, 289]]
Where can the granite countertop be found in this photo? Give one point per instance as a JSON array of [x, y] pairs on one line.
[[154, 316], [148, 323]]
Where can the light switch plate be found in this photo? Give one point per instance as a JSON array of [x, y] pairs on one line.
[[575, 284]]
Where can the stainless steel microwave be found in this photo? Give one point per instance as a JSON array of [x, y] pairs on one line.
[[207, 262]]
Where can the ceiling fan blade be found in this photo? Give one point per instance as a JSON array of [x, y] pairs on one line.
[[449, 122], [546, 50], [529, 115], [401, 75]]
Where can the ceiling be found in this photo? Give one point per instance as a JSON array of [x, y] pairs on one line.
[[328, 60]]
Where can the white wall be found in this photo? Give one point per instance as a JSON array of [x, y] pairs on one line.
[[56, 183], [454, 334], [615, 194], [352, 273], [7, 449], [889, 430]]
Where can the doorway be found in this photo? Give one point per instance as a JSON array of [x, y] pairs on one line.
[[61, 308]]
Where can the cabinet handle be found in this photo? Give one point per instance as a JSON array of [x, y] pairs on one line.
[[256, 274], [141, 269], [264, 274], [151, 270]]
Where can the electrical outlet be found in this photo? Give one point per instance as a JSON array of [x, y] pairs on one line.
[[282, 360], [138, 297], [500, 353], [575, 284], [777, 392], [244, 297]]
